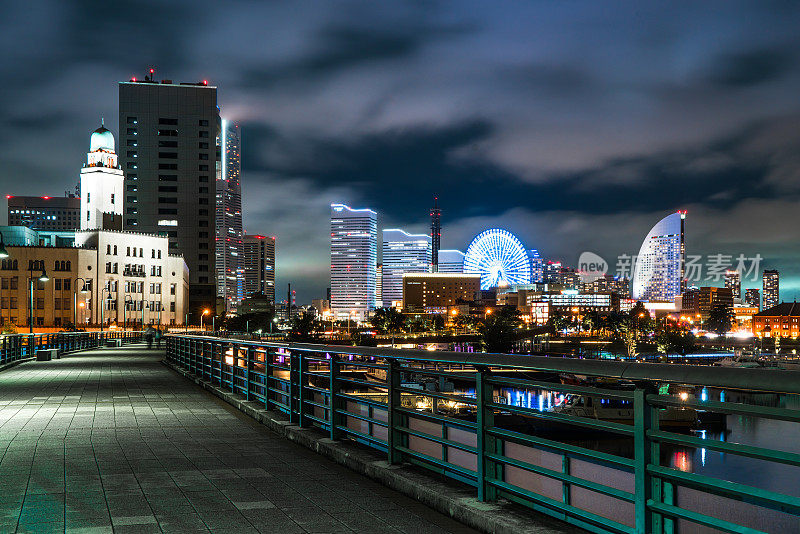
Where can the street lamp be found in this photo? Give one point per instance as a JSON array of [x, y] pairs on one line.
[[102, 307], [84, 290], [128, 298], [42, 278], [205, 312]]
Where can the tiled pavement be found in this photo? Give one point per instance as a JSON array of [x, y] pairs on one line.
[[113, 441]]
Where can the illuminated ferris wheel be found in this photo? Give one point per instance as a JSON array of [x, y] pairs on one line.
[[499, 257]]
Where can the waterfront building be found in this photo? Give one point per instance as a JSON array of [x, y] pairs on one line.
[[44, 213], [499, 257], [781, 320], [258, 264], [752, 297], [771, 286], [698, 302], [609, 283], [733, 281], [659, 271], [436, 234], [170, 139], [379, 286], [451, 261], [434, 292], [354, 261], [402, 253], [228, 221]]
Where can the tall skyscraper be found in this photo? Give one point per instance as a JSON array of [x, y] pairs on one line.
[[771, 285], [436, 235], [659, 272], [258, 264], [402, 253], [354, 261], [752, 297], [379, 286], [451, 261], [170, 134], [733, 281], [537, 266], [45, 213], [229, 232]]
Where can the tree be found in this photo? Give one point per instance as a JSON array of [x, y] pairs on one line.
[[720, 319], [629, 331], [250, 322], [437, 323], [557, 321], [360, 339], [415, 324], [500, 330], [591, 322], [387, 320], [675, 342], [304, 328]]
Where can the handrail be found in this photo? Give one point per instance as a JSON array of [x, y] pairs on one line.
[[465, 434], [782, 381]]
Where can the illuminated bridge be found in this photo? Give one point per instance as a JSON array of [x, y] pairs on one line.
[[236, 436]]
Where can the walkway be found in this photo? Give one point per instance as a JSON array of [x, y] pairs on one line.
[[113, 441]]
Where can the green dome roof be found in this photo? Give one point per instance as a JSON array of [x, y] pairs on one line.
[[101, 138]]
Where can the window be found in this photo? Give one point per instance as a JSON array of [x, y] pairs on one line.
[[133, 142], [116, 265], [141, 252], [132, 199], [168, 166], [203, 156], [203, 235], [112, 198], [133, 177], [127, 251], [168, 155], [132, 166], [132, 154], [88, 197], [132, 211], [203, 190], [203, 178], [108, 267], [202, 122], [202, 224], [57, 303], [131, 189], [167, 200], [203, 268], [159, 255], [168, 144], [115, 250], [13, 303], [172, 289], [4, 283], [57, 284], [168, 133], [171, 122], [67, 284], [202, 212], [203, 201], [88, 215], [203, 279], [202, 144], [202, 257], [108, 249], [168, 189], [167, 211], [202, 245], [132, 131], [39, 303], [132, 120], [203, 133], [172, 307], [131, 222], [202, 168], [167, 177]]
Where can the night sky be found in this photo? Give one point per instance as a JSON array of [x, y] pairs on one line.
[[575, 125]]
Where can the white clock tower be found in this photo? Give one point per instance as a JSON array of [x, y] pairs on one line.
[[101, 184]]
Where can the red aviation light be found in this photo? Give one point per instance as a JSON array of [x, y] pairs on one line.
[[205, 82]]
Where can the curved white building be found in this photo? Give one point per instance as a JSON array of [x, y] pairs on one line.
[[659, 270]]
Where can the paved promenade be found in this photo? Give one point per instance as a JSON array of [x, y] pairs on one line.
[[113, 441]]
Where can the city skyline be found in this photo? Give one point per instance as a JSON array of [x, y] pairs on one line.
[[574, 146]]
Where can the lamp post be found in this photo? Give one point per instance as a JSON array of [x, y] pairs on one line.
[[42, 278], [205, 312], [75, 299], [128, 298], [102, 307]]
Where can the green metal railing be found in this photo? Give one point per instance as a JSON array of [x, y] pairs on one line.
[[14, 347], [357, 393]]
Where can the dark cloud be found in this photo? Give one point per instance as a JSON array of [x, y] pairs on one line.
[[746, 69]]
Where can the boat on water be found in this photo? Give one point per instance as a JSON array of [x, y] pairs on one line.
[[621, 411]]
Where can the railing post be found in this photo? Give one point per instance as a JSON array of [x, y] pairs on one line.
[[294, 387], [248, 351], [302, 377], [333, 402], [485, 442], [646, 452], [268, 370], [393, 417]]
